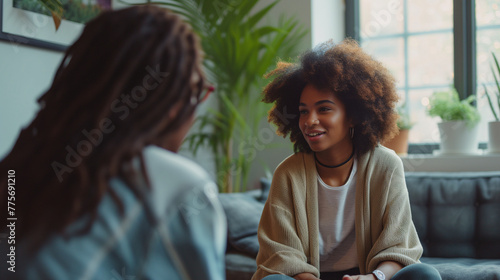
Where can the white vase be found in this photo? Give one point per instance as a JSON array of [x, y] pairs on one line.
[[458, 137], [494, 137]]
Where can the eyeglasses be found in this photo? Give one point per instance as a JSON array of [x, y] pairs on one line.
[[206, 93]]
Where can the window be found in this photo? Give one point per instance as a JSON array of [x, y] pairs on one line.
[[429, 45], [487, 41]]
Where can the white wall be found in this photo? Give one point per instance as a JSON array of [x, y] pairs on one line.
[[300, 9], [25, 73], [327, 20]]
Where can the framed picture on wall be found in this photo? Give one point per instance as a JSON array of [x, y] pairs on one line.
[[28, 22]]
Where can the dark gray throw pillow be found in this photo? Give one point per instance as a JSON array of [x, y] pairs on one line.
[[265, 185], [243, 213]]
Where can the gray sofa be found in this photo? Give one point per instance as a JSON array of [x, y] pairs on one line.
[[457, 217]]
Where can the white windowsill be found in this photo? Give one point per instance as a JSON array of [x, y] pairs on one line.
[[451, 163]]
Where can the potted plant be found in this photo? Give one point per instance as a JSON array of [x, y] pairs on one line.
[[459, 122], [400, 142], [239, 49], [494, 126]]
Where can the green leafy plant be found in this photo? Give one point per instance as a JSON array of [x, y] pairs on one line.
[[54, 7], [239, 50], [496, 73], [73, 10], [448, 106]]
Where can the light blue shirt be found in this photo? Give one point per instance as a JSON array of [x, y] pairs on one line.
[[179, 233]]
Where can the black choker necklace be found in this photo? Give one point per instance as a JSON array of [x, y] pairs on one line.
[[334, 166]]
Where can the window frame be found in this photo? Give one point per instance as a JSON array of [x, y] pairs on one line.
[[464, 41], [464, 50]]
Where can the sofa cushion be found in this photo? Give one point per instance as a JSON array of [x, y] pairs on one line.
[[265, 185], [457, 214], [243, 211], [465, 268], [239, 266]]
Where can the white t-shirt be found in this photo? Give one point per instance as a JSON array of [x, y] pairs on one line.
[[336, 224]]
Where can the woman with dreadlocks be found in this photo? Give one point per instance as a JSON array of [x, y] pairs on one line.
[[99, 190], [338, 208]]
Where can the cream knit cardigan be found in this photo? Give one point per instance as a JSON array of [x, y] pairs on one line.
[[289, 230]]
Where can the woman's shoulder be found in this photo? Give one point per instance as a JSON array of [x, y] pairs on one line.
[[172, 176], [294, 163], [176, 180], [381, 158], [171, 166]]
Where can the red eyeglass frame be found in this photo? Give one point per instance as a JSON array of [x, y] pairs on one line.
[[208, 91]]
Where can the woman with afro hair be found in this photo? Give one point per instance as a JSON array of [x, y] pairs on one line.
[[338, 207]]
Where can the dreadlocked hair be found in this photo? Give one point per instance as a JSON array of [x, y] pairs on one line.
[[133, 77], [364, 85]]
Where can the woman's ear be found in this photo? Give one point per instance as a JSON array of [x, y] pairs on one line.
[[350, 122]]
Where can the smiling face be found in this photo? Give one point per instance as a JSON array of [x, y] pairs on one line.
[[323, 121]]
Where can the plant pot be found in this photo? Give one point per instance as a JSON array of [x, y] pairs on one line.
[[494, 137], [399, 143], [458, 137]]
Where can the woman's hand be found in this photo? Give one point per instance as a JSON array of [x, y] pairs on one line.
[[359, 277]]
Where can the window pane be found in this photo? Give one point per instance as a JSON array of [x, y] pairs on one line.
[[430, 59], [484, 111], [415, 42], [428, 15], [381, 17], [487, 41], [391, 53], [487, 12]]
